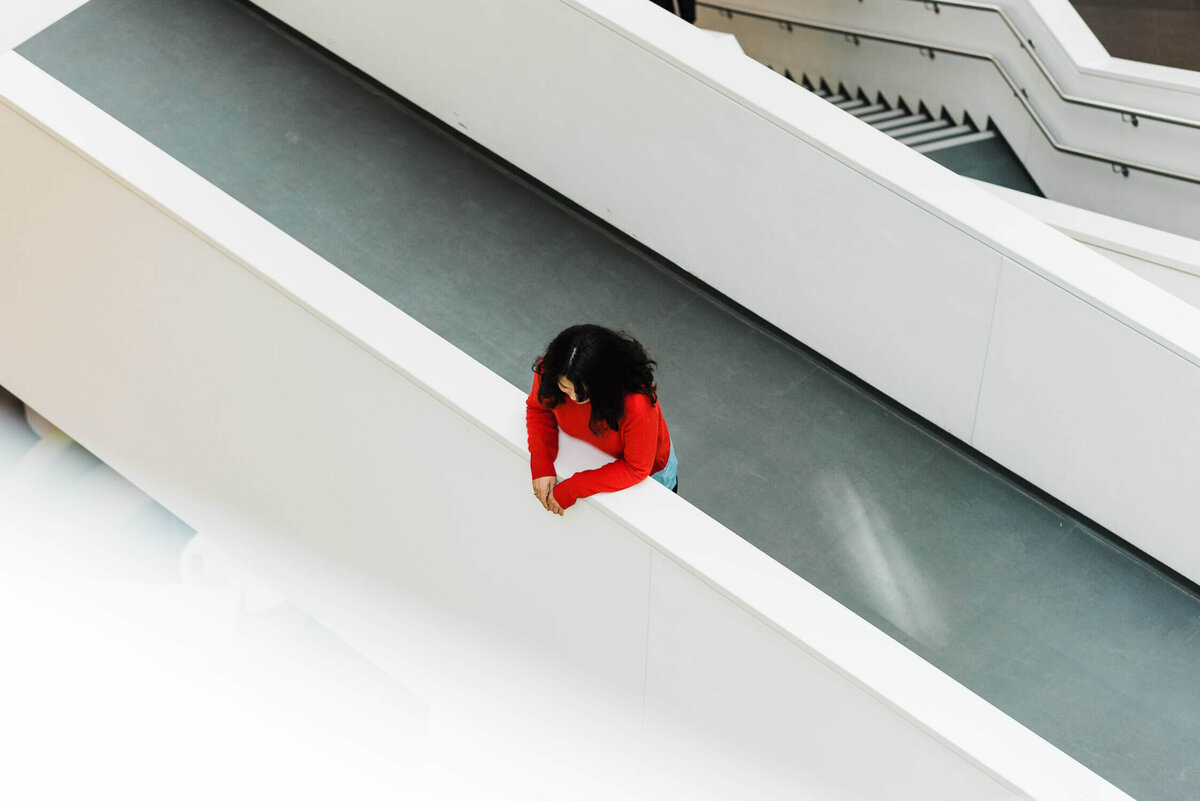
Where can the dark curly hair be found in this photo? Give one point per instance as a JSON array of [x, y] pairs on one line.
[[604, 365]]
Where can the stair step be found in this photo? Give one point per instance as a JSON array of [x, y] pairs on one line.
[[942, 133], [874, 108], [919, 131], [921, 127], [901, 121], [883, 116], [955, 141]]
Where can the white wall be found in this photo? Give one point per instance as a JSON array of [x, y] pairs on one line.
[[962, 83], [22, 19], [1100, 401], [1169, 261], [267, 399]]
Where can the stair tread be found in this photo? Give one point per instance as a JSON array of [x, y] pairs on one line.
[[883, 116], [955, 141], [921, 127], [874, 108], [940, 133], [898, 122]]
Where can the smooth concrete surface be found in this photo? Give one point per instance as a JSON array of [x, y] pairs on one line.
[[709, 692], [1167, 260], [21, 19], [1045, 345], [311, 434], [920, 515], [140, 654]]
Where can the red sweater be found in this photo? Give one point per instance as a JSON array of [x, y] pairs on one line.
[[641, 444]]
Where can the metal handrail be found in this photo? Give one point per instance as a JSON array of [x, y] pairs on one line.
[[1119, 165], [1028, 46]]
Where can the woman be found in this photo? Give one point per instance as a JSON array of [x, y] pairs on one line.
[[597, 385]]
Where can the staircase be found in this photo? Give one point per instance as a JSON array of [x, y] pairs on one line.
[[918, 128]]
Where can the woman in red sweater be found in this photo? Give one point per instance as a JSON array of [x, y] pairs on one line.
[[597, 385]]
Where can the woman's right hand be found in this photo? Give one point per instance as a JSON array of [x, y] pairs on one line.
[[542, 487]]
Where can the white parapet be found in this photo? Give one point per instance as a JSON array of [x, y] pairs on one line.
[[1166, 260]]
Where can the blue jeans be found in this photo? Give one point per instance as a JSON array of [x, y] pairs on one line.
[[669, 475]]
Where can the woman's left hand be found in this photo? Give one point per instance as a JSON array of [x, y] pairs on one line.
[[552, 504]]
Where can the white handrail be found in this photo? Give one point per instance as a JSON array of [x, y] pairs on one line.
[[1129, 114]]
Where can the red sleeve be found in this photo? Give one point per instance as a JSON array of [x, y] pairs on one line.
[[542, 429], [639, 442]]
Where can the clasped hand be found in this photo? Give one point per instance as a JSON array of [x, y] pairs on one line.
[[543, 488]]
